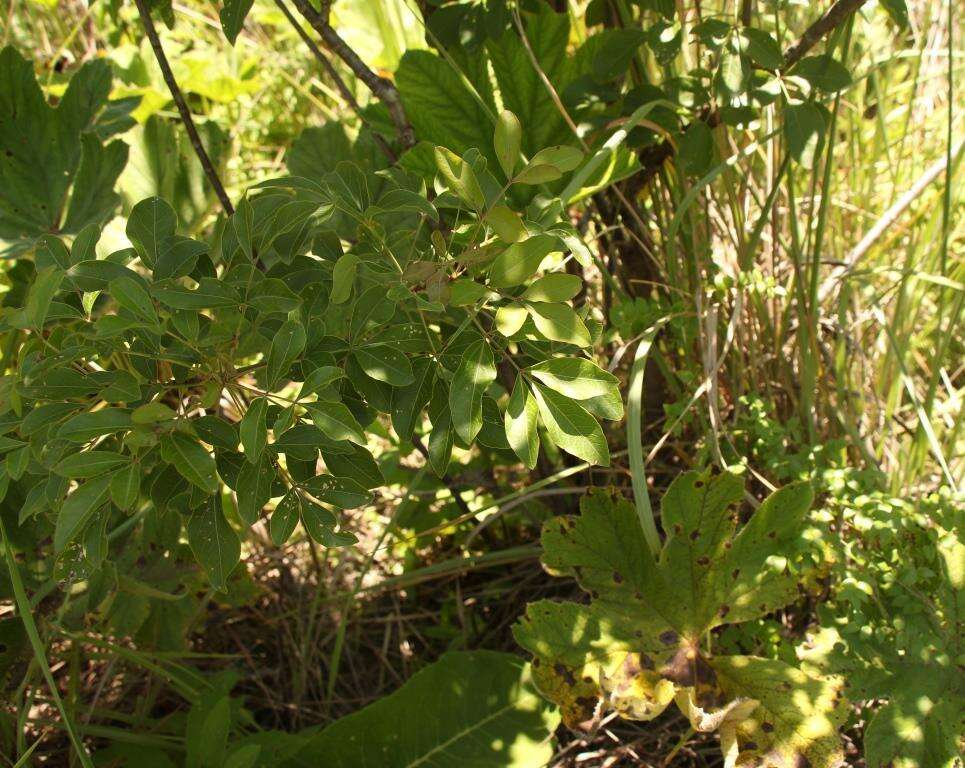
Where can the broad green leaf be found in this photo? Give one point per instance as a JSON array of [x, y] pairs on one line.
[[42, 291], [126, 487], [921, 724], [639, 644], [575, 377], [538, 173], [285, 518], [319, 524], [460, 178], [255, 487], [507, 140], [133, 296], [559, 322], [286, 345], [796, 717], [253, 430], [87, 426], [761, 47], [556, 286], [823, 72], [510, 318], [475, 373], [48, 150], [696, 149], [338, 491], [520, 423], [214, 543], [90, 463], [520, 85], [359, 465], [563, 158], [506, 223], [441, 437], [483, 706], [343, 278], [463, 292], [439, 105], [191, 460], [409, 400], [336, 421], [571, 428], [520, 261], [210, 294], [385, 363], [78, 509], [232, 15], [151, 224], [152, 413], [804, 129]]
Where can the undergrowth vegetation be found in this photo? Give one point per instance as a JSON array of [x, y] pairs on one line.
[[481, 383]]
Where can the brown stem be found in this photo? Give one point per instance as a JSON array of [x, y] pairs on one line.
[[383, 89], [652, 158], [178, 97], [336, 78], [834, 17]]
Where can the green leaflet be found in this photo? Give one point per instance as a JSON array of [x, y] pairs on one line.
[[575, 377], [520, 261], [285, 518], [520, 423], [232, 15], [475, 373], [90, 463], [336, 421], [804, 128], [483, 706], [340, 492], [571, 427], [385, 363], [149, 227], [559, 322], [85, 426], [214, 543], [286, 345], [638, 644], [192, 461], [252, 430], [78, 509], [507, 141]]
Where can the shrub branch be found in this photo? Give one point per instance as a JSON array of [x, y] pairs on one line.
[[182, 105], [383, 89]]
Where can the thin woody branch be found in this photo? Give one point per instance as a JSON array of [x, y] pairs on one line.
[[652, 158], [383, 89], [209, 170], [335, 77], [835, 16]]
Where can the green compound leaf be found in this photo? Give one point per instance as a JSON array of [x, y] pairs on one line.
[[639, 644], [484, 712]]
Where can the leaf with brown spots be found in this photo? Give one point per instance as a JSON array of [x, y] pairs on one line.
[[639, 643]]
